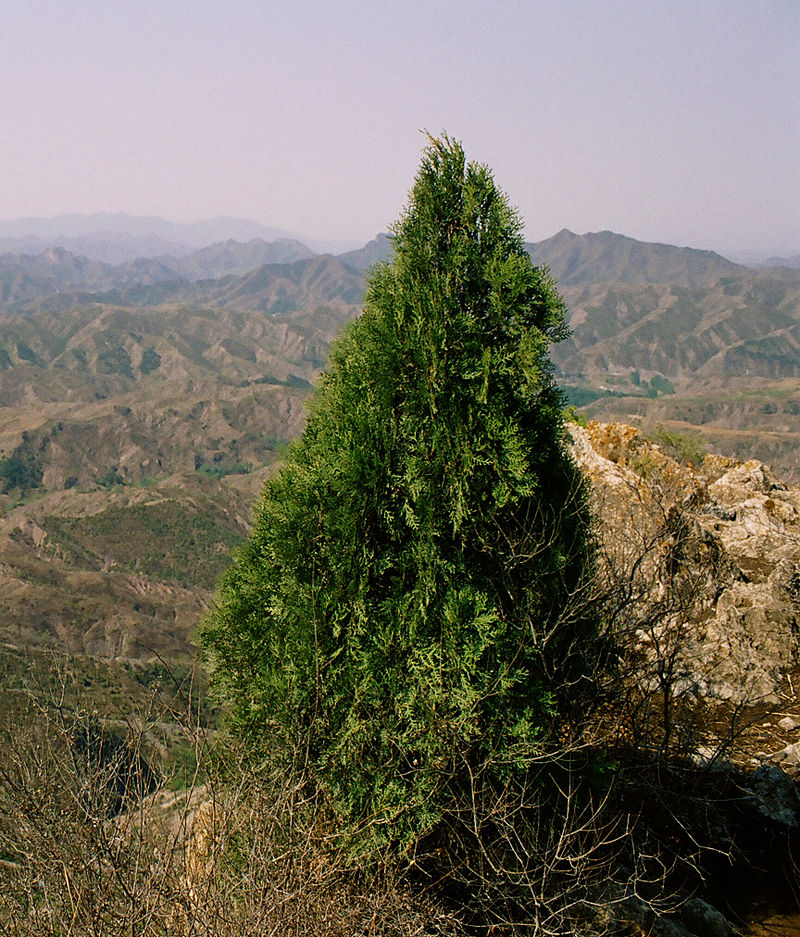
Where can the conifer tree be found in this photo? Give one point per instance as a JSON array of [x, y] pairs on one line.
[[404, 611]]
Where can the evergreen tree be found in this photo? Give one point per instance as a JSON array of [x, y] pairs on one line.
[[404, 611]]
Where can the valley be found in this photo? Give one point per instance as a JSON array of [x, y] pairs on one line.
[[143, 403]]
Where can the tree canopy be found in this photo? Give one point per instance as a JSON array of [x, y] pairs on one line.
[[404, 612]]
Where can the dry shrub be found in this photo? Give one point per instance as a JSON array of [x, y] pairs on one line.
[[93, 842]]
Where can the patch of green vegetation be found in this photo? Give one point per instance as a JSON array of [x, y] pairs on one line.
[[239, 349], [294, 380], [396, 631], [771, 349], [114, 360], [602, 321], [219, 467], [19, 472], [22, 469], [732, 286], [682, 318], [5, 360], [25, 352], [282, 306], [583, 396], [110, 478], [580, 396], [571, 415], [169, 541], [688, 448], [151, 361], [662, 385], [220, 471]]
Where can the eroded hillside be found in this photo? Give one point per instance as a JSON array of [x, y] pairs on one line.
[[136, 382]]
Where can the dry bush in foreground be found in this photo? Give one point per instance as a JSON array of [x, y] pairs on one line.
[[92, 842]]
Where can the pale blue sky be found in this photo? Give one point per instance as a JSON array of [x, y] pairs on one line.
[[671, 120]]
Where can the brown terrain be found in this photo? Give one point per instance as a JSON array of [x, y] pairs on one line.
[[144, 399], [142, 408]]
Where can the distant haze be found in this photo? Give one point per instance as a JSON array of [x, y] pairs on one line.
[[670, 121], [120, 237]]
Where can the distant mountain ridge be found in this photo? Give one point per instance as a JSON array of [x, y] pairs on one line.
[[161, 391], [378, 249], [271, 289], [110, 250], [119, 237], [28, 277], [678, 312], [600, 257], [104, 225], [573, 259], [793, 262], [605, 257], [234, 257], [24, 277]]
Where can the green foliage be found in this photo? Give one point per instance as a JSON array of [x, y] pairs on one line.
[[110, 478], [151, 361], [773, 351], [17, 471], [294, 380], [581, 396], [26, 353], [220, 471], [219, 467], [687, 448], [571, 415], [22, 469], [662, 385], [402, 612], [114, 359]]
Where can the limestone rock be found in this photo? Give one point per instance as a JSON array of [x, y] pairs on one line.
[[709, 556]]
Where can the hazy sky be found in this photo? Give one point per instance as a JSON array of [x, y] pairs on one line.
[[671, 120]]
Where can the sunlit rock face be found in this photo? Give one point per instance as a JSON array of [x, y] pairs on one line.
[[705, 561]]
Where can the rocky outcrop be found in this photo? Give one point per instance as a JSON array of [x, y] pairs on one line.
[[704, 559]]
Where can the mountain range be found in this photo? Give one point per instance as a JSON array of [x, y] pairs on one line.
[[654, 309], [144, 402], [117, 238]]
